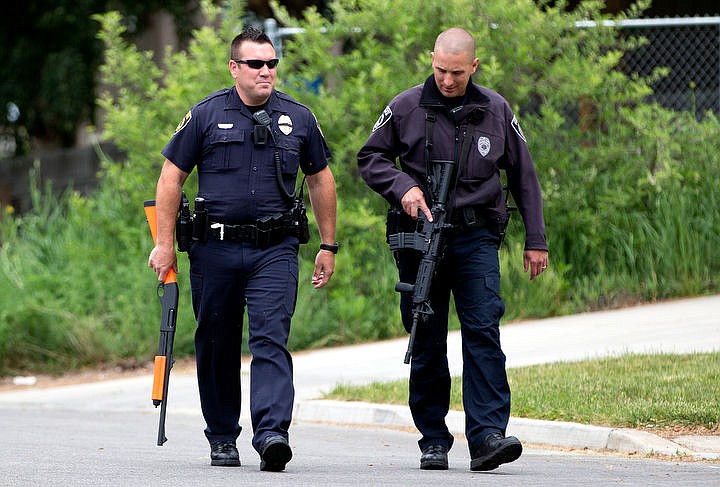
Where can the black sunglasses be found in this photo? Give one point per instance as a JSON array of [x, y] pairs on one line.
[[258, 63]]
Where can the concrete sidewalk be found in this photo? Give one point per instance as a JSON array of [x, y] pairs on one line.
[[682, 326]]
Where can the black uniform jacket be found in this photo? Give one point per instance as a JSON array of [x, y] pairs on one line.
[[497, 143]]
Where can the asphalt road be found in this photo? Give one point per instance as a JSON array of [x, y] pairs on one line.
[[104, 433], [58, 447]]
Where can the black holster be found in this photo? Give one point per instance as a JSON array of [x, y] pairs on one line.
[[272, 229], [299, 221], [191, 228]]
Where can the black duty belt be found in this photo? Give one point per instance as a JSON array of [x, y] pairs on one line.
[[232, 233], [475, 217], [470, 216]]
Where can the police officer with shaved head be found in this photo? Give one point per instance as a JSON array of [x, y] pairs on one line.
[[423, 128], [247, 143]]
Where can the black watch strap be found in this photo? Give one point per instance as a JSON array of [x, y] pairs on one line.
[[331, 247]]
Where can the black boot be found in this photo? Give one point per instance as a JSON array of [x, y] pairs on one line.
[[224, 454], [275, 454], [495, 451], [434, 457]]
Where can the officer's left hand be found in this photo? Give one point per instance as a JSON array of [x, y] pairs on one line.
[[536, 261], [324, 267]]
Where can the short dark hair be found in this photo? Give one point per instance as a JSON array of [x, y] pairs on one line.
[[251, 34]]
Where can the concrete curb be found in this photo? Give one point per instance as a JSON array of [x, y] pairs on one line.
[[554, 433]]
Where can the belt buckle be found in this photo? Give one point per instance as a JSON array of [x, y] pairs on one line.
[[221, 226]]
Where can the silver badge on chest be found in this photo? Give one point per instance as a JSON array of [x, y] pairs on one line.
[[483, 146], [285, 124]]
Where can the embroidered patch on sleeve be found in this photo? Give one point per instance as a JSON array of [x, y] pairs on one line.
[[516, 126], [183, 123], [385, 117]]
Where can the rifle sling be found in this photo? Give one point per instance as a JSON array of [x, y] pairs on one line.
[[464, 150]]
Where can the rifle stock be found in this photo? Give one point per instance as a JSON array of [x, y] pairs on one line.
[[167, 292]]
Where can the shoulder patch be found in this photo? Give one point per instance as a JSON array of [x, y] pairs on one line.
[[516, 126], [318, 125], [183, 123], [385, 117]]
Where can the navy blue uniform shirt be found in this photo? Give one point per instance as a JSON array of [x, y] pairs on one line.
[[238, 178]]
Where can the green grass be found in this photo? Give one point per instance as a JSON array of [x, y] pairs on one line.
[[647, 391]]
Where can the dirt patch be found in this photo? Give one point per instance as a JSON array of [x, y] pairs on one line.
[[671, 432]]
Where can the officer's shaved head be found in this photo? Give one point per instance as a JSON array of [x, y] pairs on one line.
[[454, 61], [456, 41]]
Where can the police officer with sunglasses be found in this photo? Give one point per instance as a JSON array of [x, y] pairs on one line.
[[247, 144]]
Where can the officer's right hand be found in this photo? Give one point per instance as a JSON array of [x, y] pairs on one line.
[[162, 259], [414, 200]]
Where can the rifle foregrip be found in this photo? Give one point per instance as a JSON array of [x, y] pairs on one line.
[[404, 287]]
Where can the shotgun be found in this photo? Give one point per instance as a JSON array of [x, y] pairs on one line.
[[167, 291]]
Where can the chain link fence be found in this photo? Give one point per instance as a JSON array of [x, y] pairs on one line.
[[689, 47]]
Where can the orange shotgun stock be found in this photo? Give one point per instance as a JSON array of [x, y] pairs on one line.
[[167, 291]]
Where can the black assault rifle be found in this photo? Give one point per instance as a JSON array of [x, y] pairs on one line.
[[168, 293], [429, 239]]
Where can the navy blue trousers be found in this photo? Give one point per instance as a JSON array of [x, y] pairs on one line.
[[470, 270], [227, 278]]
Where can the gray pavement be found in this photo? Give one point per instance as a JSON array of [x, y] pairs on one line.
[[60, 447], [682, 326]]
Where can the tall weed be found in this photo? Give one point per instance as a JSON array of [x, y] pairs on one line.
[[630, 189]]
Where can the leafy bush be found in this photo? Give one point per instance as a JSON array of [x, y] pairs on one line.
[[631, 197]]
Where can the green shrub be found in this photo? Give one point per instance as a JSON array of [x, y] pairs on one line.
[[630, 189]]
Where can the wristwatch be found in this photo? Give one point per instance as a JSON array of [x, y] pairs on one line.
[[331, 247]]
